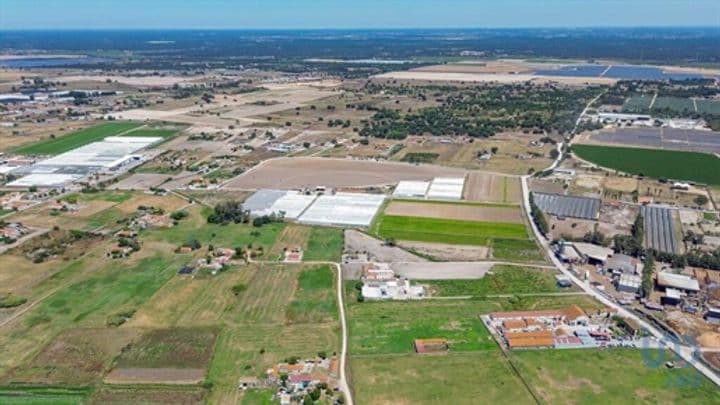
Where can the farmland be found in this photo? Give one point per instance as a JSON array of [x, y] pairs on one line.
[[501, 279], [457, 211], [76, 139], [618, 376], [662, 164]]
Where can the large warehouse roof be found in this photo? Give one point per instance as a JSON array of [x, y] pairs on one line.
[[660, 232], [568, 206], [679, 281]]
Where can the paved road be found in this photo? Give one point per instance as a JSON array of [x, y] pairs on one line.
[[687, 353]]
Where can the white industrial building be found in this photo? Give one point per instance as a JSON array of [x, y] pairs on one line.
[[446, 188], [343, 209], [109, 154]]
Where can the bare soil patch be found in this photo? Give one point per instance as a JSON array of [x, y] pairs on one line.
[[489, 187], [149, 395], [447, 252], [464, 212], [309, 172]]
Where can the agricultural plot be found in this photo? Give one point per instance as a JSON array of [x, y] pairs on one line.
[[637, 104], [108, 287], [76, 139], [708, 106], [660, 231], [487, 187], [618, 376], [465, 378], [458, 211], [501, 279], [324, 244], [447, 231], [314, 299], [662, 164], [681, 105], [178, 355]]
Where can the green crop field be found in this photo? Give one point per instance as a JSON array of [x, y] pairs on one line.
[[76, 139], [446, 230], [661, 164], [502, 279]]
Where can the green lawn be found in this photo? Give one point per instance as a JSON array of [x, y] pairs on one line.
[[314, 299], [501, 279], [447, 230], [324, 244], [662, 164], [616, 376], [76, 139]]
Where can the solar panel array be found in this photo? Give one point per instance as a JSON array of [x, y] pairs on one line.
[[632, 72], [659, 229], [568, 206], [690, 140]]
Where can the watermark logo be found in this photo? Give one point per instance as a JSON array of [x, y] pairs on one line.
[[663, 354]]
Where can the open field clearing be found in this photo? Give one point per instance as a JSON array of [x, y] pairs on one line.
[[467, 212], [29, 133], [488, 187], [462, 378], [283, 311], [75, 357], [356, 241], [446, 251], [230, 236], [76, 139], [314, 299], [446, 231], [503, 78], [618, 376], [111, 287], [171, 356], [390, 327], [662, 164], [324, 244], [163, 395], [293, 173], [500, 279]]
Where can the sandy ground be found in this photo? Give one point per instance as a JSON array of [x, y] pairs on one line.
[[155, 376], [442, 271], [504, 78], [709, 339], [293, 173], [447, 252], [464, 212]]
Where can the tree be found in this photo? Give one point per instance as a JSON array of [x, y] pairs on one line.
[[538, 217], [647, 273], [701, 200]]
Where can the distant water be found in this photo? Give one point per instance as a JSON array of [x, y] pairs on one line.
[[50, 62], [629, 72]]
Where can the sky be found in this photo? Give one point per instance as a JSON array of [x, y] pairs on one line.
[[353, 14]]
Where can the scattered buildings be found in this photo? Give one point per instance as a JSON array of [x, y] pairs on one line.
[[380, 283]]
